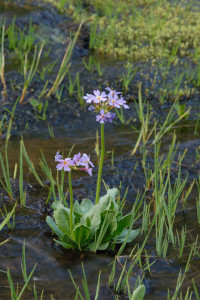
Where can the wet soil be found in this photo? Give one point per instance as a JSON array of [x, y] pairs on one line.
[[55, 29]]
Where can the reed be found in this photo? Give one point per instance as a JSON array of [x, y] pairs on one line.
[[28, 77], [64, 67]]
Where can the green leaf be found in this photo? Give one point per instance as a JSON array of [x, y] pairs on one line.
[[53, 226], [103, 246], [106, 200], [62, 218], [139, 293], [92, 246], [7, 218], [133, 234], [82, 208], [56, 204], [64, 245], [94, 215], [123, 223], [88, 222], [180, 108], [67, 239], [101, 234], [81, 233], [77, 210], [86, 205], [111, 224]]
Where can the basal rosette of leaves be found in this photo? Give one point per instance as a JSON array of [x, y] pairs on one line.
[[95, 226]]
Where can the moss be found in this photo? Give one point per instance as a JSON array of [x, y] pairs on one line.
[[140, 30]]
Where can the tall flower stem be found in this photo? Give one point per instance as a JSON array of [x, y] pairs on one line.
[[100, 164], [71, 200]]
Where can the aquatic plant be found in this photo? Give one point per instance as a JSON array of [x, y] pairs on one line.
[[128, 76], [86, 226], [137, 294], [5, 167], [40, 108], [15, 292], [34, 66], [79, 162], [88, 66], [20, 40], [71, 84], [64, 67], [103, 103], [6, 220], [139, 29], [80, 90], [85, 286], [6, 216]]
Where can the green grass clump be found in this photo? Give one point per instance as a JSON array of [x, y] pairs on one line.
[[139, 30]]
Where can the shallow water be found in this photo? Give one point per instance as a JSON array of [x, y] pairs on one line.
[[78, 128], [53, 262]]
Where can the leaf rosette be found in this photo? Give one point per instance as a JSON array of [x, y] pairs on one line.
[[95, 226]]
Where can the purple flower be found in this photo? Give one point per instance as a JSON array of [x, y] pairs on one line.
[[58, 157], [89, 98], [112, 92], [77, 159], [113, 115], [88, 170], [91, 108], [65, 164], [104, 103], [85, 159], [122, 102], [103, 117], [99, 96], [113, 100]]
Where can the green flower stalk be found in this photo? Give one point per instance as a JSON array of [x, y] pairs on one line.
[[79, 162], [100, 164], [103, 104], [71, 200]]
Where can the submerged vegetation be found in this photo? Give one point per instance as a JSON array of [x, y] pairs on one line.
[[140, 206]]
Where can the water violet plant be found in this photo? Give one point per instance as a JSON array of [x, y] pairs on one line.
[[94, 227], [103, 103], [88, 226], [79, 162]]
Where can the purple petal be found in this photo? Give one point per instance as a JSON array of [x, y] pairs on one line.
[[98, 117], [102, 112], [66, 168], [59, 166], [103, 95], [89, 171], [96, 93], [91, 164]]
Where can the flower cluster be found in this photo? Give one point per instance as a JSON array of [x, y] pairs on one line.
[[103, 103], [78, 162]]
